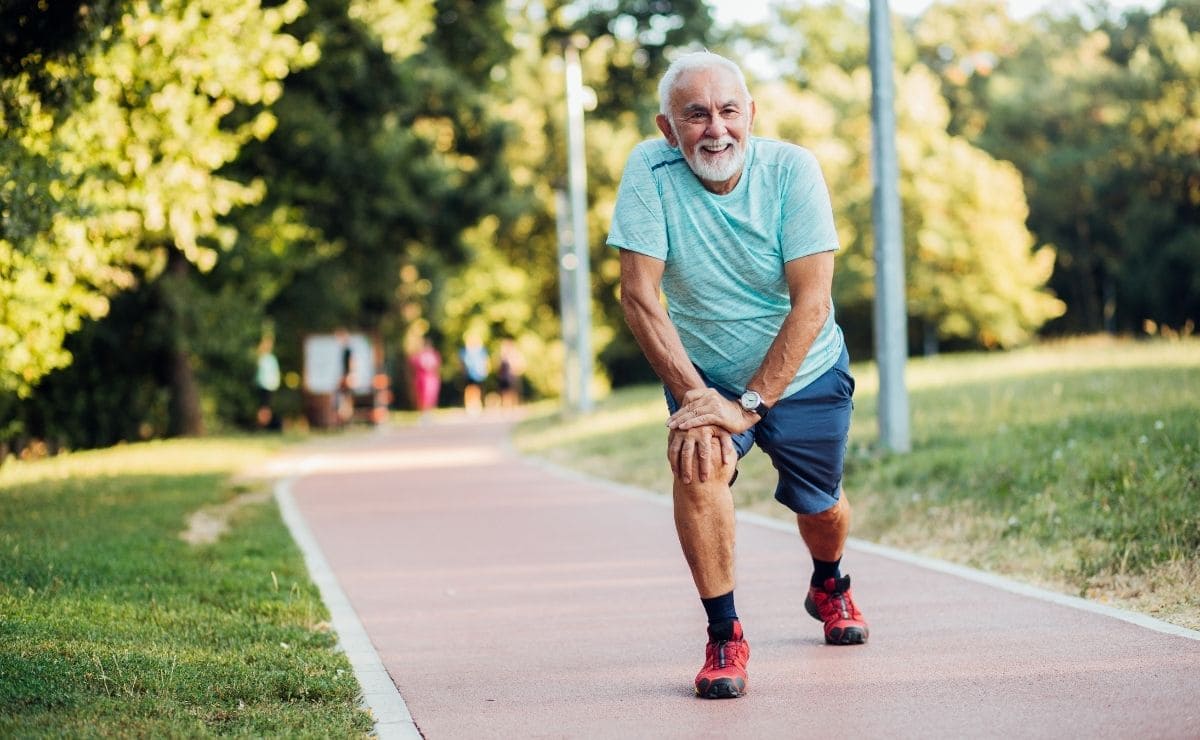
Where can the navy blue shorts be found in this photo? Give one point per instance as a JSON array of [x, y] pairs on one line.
[[805, 437]]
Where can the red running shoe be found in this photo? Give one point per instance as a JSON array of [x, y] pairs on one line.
[[834, 605], [724, 673]]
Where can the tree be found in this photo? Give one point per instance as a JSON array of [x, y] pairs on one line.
[[51, 277], [128, 172], [388, 151], [136, 166], [1106, 142], [972, 273]]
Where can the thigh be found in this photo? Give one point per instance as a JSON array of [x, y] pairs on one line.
[[805, 437]]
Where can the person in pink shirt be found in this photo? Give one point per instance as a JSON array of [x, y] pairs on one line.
[[426, 366]]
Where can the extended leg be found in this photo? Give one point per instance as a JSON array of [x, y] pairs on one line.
[[830, 600]]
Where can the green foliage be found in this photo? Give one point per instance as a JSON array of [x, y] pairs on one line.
[[392, 165], [387, 151], [1101, 120], [51, 277], [117, 626], [637, 38], [128, 173]]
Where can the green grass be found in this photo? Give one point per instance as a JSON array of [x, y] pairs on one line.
[[111, 624], [1073, 465]]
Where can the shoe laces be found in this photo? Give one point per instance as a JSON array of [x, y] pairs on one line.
[[839, 600], [721, 653]]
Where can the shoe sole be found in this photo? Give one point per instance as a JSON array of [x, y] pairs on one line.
[[837, 635], [722, 688], [848, 636]]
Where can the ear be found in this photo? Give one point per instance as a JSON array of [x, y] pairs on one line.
[[753, 113], [664, 125]]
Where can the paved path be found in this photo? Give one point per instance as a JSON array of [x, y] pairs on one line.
[[508, 600]]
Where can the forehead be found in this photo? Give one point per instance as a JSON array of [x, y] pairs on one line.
[[706, 87]]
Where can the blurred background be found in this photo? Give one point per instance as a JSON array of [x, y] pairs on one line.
[[180, 181]]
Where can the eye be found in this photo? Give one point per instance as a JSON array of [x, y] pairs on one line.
[[730, 113]]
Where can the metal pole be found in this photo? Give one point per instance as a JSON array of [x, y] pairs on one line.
[[577, 174], [566, 296], [891, 317]]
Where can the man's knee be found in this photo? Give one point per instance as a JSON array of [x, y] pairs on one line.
[[721, 475], [840, 511]]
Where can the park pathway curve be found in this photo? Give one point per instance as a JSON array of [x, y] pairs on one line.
[[510, 600]]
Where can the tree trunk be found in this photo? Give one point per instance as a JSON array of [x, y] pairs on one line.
[[186, 419]]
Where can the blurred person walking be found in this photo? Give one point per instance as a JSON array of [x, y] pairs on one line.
[[266, 382], [426, 368], [510, 374], [476, 365]]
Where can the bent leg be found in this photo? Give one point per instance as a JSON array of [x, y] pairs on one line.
[[826, 533]]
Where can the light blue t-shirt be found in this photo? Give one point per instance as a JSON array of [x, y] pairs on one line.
[[724, 280]]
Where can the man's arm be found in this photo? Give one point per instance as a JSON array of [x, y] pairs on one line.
[[810, 283], [641, 277]]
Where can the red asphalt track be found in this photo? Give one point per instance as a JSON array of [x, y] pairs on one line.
[[507, 600]]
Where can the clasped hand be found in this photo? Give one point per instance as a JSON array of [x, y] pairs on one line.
[[701, 430], [704, 406], [699, 452]]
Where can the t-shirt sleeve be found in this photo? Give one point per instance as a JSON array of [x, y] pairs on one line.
[[806, 225], [638, 224]]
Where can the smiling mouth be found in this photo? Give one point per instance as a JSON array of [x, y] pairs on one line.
[[719, 149]]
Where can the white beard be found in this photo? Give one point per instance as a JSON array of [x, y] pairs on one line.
[[727, 165]]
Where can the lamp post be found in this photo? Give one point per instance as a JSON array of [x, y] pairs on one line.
[[566, 297], [891, 316], [574, 266]]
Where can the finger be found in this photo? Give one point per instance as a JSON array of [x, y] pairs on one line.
[[699, 420], [673, 447], [682, 414], [705, 452], [687, 458], [728, 451]]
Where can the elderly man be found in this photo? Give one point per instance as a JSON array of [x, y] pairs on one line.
[[738, 233]]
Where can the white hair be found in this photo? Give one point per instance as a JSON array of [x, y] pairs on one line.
[[696, 60]]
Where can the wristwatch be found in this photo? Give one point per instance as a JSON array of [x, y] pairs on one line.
[[751, 401]]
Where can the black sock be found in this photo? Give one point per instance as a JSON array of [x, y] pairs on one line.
[[721, 615], [823, 570]]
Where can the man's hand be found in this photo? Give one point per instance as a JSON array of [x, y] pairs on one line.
[[706, 407], [699, 451]]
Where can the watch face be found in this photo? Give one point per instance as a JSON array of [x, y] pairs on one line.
[[750, 400]]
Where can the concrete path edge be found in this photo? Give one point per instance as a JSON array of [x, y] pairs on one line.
[[380, 695], [929, 563]]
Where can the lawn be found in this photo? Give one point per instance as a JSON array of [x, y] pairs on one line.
[[1072, 465], [111, 624]]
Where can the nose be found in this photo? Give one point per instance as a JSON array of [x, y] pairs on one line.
[[716, 126]]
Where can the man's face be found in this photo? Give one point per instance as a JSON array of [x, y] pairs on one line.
[[710, 122]]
